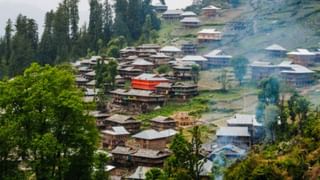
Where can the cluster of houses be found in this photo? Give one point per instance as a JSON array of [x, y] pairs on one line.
[[235, 139], [189, 19], [133, 149], [294, 72]]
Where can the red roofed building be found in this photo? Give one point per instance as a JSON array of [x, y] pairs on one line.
[[147, 81]]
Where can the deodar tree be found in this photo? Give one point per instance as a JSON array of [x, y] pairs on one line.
[[240, 65], [43, 128]]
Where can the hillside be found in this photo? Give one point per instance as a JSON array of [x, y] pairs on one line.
[[263, 23]]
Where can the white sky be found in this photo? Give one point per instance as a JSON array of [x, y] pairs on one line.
[[36, 9], [83, 6]]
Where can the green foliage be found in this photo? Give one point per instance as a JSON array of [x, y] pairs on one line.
[[195, 70], [291, 158], [240, 65], [164, 69], [100, 162], [49, 131], [155, 174], [186, 161]]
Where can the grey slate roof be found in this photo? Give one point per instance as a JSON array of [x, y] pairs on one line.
[[149, 153], [211, 7], [135, 92], [229, 149], [184, 85], [188, 13], [162, 119], [121, 119], [194, 58], [116, 130], [150, 77], [141, 62], [123, 150], [275, 47], [152, 134], [244, 119], [216, 54], [139, 173], [98, 114], [233, 131], [170, 49], [173, 12], [190, 20], [164, 85]]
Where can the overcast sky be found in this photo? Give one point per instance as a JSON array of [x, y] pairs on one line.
[[36, 9]]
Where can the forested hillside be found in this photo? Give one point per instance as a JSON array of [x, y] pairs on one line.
[[64, 40]]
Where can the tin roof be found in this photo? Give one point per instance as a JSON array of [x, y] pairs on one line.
[[190, 19], [173, 12], [188, 13], [244, 119], [209, 31], [139, 173], [152, 134], [141, 62], [211, 7], [121, 119], [116, 130], [162, 119], [275, 47], [170, 49], [233, 131], [194, 58], [150, 77]]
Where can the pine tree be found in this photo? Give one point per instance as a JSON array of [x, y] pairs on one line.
[[107, 22], [74, 19], [95, 24], [135, 22], [61, 32], [146, 31], [24, 45], [47, 53], [7, 40]]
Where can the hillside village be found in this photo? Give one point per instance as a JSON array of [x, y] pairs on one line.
[[217, 90], [135, 147]]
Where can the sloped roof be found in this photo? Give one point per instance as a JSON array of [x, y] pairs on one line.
[[275, 47], [117, 130], [160, 55], [162, 119], [217, 53], [150, 77], [164, 85], [209, 31], [135, 92], [244, 119], [211, 7], [173, 12], [139, 173], [295, 68], [81, 79], [188, 13], [190, 19], [302, 52], [170, 49], [149, 153], [123, 150], [229, 149], [194, 58], [98, 114], [233, 131], [92, 73], [184, 84], [152, 134], [121, 119], [141, 62]]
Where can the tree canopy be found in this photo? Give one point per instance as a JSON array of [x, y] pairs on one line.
[[44, 126]]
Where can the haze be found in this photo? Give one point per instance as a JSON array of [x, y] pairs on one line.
[[37, 8]]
